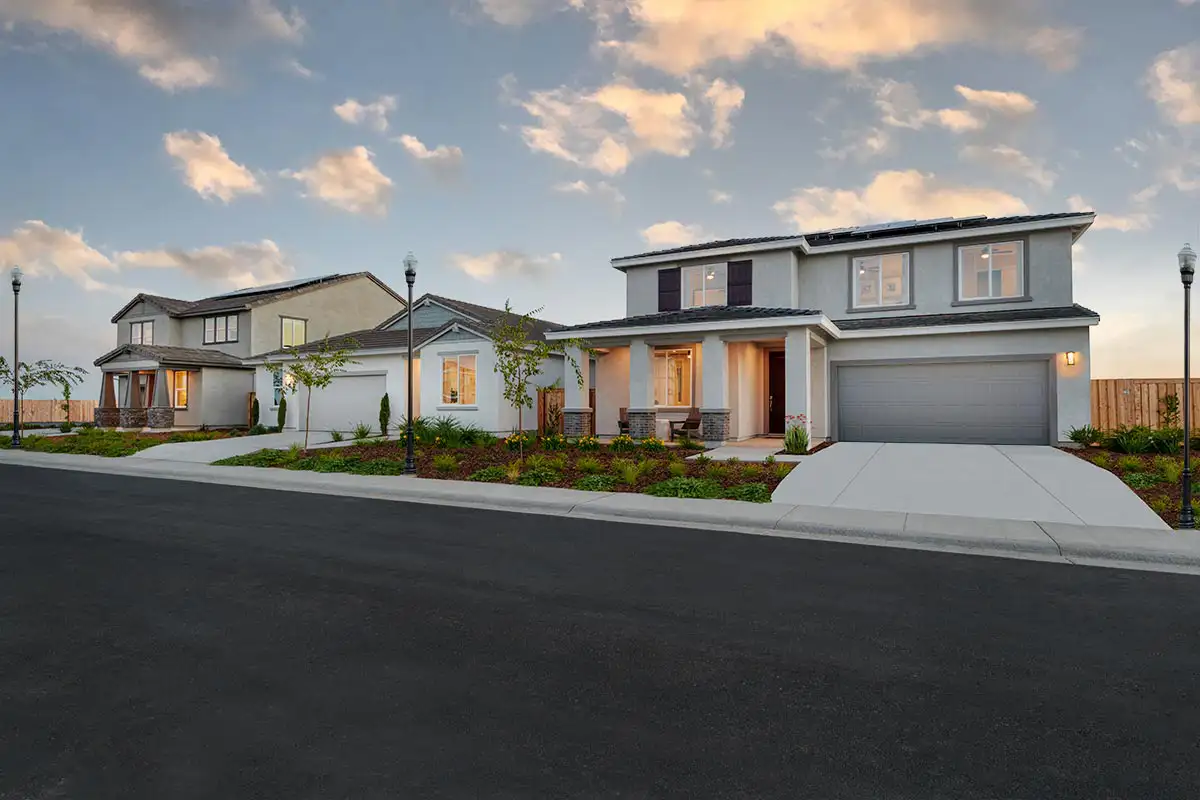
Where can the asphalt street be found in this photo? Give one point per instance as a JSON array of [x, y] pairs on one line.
[[170, 640]]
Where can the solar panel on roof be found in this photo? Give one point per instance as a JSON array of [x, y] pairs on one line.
[[272, 287], [883, 226]]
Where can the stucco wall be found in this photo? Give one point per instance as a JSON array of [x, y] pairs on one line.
[[746, 378], [1073, 389], [773, 287], [193, 415], [191, 332], [612, 389], [346, 306], [166, 330], [223, 395]]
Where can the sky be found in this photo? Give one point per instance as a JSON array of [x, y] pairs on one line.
[[516, 146]]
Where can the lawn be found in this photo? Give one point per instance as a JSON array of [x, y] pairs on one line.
[[625, 466], [112, 444]]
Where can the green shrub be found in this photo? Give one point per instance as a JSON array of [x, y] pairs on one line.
[[795, 440], [1167, 440], [1142, 480], [1103, 460], [336, 436], [293, 453], [554, 441], [688, 443], [750, 493], [781, 471], [1159, 505], [538, 477], [702, 459], [770, 460], [596, 483], [557, 463], [385, 414], [378, 466], [677, 469], [259, 458], [1169, 414], [589, 465], [255, 409], [1170, 468], [1129, 464], [258, 430], [66, 427], [445, 463], [536, 461], [716, 472], [753, 471], [1085, 435], [685, 487], [631, 473], [622, 444], [362, 431], [489, 475], [484, 438], [512, 471], [1133, 440], [281, 414]]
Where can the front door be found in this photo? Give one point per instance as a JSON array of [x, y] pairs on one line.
[[776, 381]]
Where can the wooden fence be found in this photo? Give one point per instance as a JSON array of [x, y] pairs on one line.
[[1138, 401], [48, 410]]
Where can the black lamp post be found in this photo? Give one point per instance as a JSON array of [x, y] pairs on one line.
[[1187, 269], [16, 366], [410, 277]]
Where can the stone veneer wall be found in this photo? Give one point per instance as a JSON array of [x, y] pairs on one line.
[[642, 423], [577, 423], [133, 418], [160, 418], [714, 426], [107, 417]]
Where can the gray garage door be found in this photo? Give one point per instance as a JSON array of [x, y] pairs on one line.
[[347, 401], [991, 402]]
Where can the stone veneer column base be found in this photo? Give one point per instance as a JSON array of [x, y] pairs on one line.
[[160, 418], [714, 425], [132, 418], [642, 422], [107, 417], [577, 422]]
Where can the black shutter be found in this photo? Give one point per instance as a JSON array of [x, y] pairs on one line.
[[741, 283], [668, 289]]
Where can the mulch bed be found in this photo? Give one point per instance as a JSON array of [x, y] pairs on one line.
[[1164, 499]]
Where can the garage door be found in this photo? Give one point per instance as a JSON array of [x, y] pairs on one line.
[[349, 400], [993, 402]]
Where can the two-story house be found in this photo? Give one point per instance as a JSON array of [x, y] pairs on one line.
[[948, 330], [181, 363]]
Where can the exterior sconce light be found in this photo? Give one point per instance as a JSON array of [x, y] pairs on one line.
[[1071, 358]]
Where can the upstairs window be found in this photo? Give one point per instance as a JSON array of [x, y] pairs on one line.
[[458, 380], [673, 378], [141, 332], [991, 271], [705, 285], [294, 332], [881, 281], [219, 330]]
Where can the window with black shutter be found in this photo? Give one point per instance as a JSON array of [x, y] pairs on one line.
[[741, 283], [668, 289]]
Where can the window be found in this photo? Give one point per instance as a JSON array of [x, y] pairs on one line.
[[141, 332], [991, 271], [179, 388], [881, 280], [218, 330], [294, 332], [458, 380], [673, 378], [705, 286]]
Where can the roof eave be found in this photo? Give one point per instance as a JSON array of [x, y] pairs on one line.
[[708, 326]]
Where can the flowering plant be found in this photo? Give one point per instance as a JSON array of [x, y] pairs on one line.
[[587, 443], [622, 442], [516, 441], [654, 445], [795, 441], [555, 441]]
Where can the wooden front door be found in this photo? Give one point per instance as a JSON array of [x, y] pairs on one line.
[[776, 381]]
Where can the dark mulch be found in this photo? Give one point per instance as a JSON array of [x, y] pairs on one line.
[[1163, 498]]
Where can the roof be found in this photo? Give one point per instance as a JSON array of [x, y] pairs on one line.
[[966, 318], [173, 356], [368, 339], [487, 316], [864, 233], [693, 315]]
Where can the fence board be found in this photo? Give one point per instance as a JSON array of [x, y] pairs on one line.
[[1137, 401], [48, 410]]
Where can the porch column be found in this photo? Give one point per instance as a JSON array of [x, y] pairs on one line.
[[714, 395], [161, 415], [577, 412], [107, 415], [797, 400], [643, 417], [133, 415]]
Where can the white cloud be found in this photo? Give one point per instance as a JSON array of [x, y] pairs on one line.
[[1057, 47], [207, 168], [239, 265], [374, 115], [1005, 158], [1172, 157], [1012, 103], [859, 145], [600, 189], [958, 120], [42, 250], [444, 161], [514, 12], [506, 264], [673, 234], [574, 187], [160, 38], [726, 99], [893, 195], [1174, 84], [296, 68], [1134, 221], [719, 197], [347, 179], [900, 107]]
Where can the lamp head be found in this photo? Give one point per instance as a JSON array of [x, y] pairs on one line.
[[410, 269], [16, 278], [1187, 264]]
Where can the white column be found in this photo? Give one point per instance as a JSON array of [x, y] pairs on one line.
[[575, 396], [714, 393], [641, 376], [798, 376]]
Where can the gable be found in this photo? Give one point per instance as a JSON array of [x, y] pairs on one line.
[[460, 336], [431, 315], [142, 308]]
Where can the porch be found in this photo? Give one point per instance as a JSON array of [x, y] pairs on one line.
[[142, 398]]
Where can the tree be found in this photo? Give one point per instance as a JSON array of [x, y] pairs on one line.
[[313, 369], [42, 373], [255, 410], [519, 358], [385, 415]]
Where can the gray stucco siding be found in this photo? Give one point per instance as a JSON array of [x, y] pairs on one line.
[[192, 335], [429, 315], [773, 282]]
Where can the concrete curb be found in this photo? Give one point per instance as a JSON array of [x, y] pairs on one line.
[[1100, 546]]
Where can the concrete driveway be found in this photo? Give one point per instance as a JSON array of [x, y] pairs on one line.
[[216, 449], [1041, 484]]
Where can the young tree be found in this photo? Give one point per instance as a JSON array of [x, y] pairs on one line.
[[314, 369], [385, 415], [41, 373], [519, 359]]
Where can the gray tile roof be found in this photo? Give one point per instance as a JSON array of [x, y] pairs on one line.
[[693, 315], [966, 318], [841, 236], [487, 316], [173, 356], [368, 339]]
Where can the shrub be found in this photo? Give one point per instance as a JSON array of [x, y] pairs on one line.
[[1170, 468], [66, 427], [716, 472], [1129, 440], [1160, 504], [336, 436], [554, 441], [750, 493], [1103, 460], [516, 441], [281, 414], [589, 465], [1166, 440], [379, 466], [702, 459], [770, 460], [259, 458], [596, 483], [557, 463], [1169, 414], [631, 473], [1129, 464], [688, 443], [1142, 480], [685, 487], [536, 461], [653, 445], [538, 477], [258, 430], [362, 431], [677, 469], [489, 475], [484, 439], [622, 444], [587, 443], [385, 414], [795, 440], [445, 463], [781, 471], [512, 470], [255, 409], [292, 454], [1085, 435], [752, 471]]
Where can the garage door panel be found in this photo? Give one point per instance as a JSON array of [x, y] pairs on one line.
[[347, 401], [999, 402]]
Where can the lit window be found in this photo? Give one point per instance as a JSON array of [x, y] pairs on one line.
[[218, 330], [991, 271], [705, 285], [179, 388], [294, 332], [458, 380], [881, 280], [141, 332], [673, 378]]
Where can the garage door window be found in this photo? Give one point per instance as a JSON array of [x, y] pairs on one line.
[[991, 271], [881, 281], [458, 380]]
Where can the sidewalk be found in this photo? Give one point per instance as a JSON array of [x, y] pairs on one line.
[[1136, 548]]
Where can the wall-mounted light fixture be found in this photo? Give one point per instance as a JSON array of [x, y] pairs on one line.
[[1071, 358]]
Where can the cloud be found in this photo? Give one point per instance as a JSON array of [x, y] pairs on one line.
[[1173, 157], [1008, 159], [240, 265], [719, 197], [505, 264], [444, 161], [674, 234], [893, 195], [600, 189], [207, 168], [725, 99], [164, 39], [900, 107], [349, 180], [1173, 82], [859, 145], [296, 68], [514, 12], [1135, 221], [1011, 103], [373, 115], [42, 250]]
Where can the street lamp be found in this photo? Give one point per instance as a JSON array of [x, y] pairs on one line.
[[410, 277], [16, 366], [1187, 270]]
